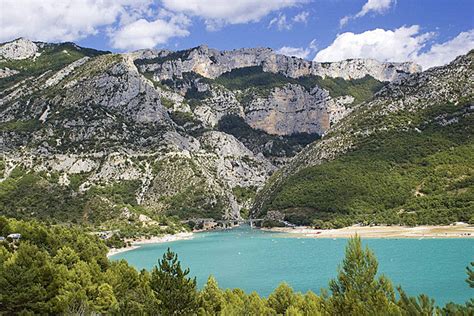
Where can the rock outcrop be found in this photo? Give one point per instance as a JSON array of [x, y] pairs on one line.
[[211, 63], [291, 110], [358, 68], [18, 49], [7, 72]]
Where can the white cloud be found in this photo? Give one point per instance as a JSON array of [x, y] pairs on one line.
[[65, 20], [280, 22], [441, 54], [376, 6], [380, 44], [402, 44], [300, 52], [301, 17], [283, 24], [217, 13], [343, 21], [148, 34], [313, 45]]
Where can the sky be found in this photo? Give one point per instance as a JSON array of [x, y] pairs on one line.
[[429, 32]]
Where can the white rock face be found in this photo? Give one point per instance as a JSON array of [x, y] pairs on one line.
[[338, 108], [358, 68], [18, 49], [120, 89], [220, 103], [291, 109], [211, 63], [236, 164], [63, 73], [7, 72], [177, 142]]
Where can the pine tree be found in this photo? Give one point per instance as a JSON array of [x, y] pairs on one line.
[[357, 291], [176, 292], [105, 302], [421, 305], [26, 281], [255, 305], [470, 275], [211, 298], [282, 298]]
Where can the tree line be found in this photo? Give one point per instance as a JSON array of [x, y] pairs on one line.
[[60, 270]]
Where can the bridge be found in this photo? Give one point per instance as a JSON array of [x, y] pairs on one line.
[[225, 223]]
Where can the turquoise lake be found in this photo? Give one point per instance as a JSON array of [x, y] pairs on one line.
[[258, 261]]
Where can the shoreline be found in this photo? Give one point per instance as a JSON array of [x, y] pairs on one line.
[[137, 243], [460, 230], [449, 231]]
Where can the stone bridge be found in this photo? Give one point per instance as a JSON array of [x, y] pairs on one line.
[[233, 222]]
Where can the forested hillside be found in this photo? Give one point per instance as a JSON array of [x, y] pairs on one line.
[[404, 158]]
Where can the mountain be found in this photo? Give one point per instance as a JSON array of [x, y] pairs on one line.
[[405, 157], [90, 136]]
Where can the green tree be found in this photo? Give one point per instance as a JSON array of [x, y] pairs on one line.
[[131, 288], [235, 302], [293, 311], [27, 281], [211, 298], [176, 292], [470, 275], [416, 306], [357, 291], [311, 304], [78, 288], [457, 309], [66, 256], [282, 298], [105, 302], [255, 305]]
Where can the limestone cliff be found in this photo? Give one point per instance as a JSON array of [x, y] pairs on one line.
[[198, 132], [211, 63]]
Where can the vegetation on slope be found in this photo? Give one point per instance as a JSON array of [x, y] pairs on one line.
[[58, 270], [414, 176], [272, 145], [29, 195], [255, 81], [181, 188], [182, 55], [53, 57]]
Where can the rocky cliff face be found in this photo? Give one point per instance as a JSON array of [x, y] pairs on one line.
[[18, 49], [190, 127], [291, 109], [211, 63], [401, 106]]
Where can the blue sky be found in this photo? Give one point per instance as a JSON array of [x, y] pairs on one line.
[[430, 32]]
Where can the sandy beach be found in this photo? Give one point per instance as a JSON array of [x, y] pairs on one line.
[[460, 230], [135, 243]]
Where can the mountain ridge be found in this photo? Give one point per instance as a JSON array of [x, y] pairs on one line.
[[83, 119]]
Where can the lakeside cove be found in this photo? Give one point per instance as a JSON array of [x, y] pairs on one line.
[[234, 257], [459, 230]]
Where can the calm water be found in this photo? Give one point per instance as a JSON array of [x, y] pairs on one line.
[[258, 261]]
